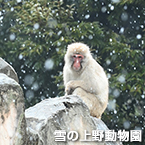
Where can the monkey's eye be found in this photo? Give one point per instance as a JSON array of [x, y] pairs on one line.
[[74, 56], [79, 56]]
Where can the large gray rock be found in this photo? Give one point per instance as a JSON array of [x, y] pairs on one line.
[[68, 113], [8, 70], [12, 120]]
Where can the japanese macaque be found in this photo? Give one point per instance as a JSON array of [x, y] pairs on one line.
[[84, 77]]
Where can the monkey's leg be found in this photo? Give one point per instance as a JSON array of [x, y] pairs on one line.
[[93, 103]]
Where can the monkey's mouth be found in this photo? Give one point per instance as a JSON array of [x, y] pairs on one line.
[[77, 69]]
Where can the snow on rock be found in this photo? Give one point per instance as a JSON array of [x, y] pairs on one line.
[[8, 70]]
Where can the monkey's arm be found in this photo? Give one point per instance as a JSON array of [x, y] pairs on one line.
[[72, 85]]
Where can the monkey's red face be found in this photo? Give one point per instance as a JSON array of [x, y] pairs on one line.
[[77, 62]]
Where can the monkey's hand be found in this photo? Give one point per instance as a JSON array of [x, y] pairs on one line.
[[70, 87]]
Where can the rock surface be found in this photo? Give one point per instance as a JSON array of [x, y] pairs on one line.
[[8, 70], [12, 121], [68, 113]]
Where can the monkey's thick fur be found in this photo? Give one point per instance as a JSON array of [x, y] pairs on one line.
[[90, 82]]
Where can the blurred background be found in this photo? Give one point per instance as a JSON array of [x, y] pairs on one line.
[[34, 36]]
